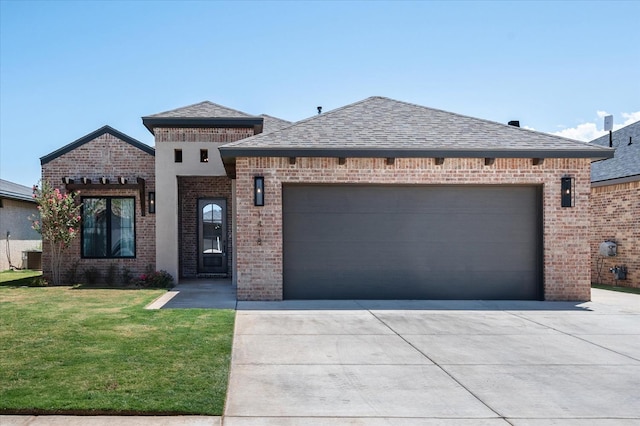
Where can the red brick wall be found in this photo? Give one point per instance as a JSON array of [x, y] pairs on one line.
[[110, 157], [615, 216], [217, 134], [566, 230], [189, 190]]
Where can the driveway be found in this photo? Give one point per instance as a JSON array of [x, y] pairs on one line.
[[429, 362]]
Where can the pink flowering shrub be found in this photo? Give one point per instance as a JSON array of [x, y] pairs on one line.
[[58, 221], [154, 279]]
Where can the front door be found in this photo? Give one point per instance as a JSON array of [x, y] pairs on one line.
[[212, 236]]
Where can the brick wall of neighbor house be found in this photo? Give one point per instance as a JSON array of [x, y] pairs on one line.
[[190, 189], [110, 157], [566, 230], [615, 216]]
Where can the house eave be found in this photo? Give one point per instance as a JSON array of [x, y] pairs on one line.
[[230, 153], [615, 181], [201, 122], [93, 135]]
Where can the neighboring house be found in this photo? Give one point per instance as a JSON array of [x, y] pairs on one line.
[[17, 206], [615, 207], [379, 199]]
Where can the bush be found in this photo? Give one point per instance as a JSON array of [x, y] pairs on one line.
[[92, 275], [157, 279], [126, 275], [112, 275], [71, 276]]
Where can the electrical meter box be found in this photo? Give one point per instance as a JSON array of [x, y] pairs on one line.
[[608, 248]]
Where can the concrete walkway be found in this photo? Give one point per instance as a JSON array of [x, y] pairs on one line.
[[421, 363]]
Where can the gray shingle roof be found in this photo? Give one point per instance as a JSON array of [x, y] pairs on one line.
[[203, 109], [271, 124], [626, 161], [208, 114], [15, 191], [379, 126]]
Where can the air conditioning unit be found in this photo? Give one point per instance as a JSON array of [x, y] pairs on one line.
[[608, 248]]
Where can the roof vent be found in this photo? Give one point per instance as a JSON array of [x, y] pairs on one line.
[[319, 110], [514, 123]]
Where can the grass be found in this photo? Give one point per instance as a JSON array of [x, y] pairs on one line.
[[616, 288], [73, 351], [25, 277]]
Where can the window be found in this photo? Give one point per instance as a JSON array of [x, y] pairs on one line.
[[204, 155], [108, 227], [177, 155]]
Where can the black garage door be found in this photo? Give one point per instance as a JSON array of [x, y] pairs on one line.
[[412, 242]]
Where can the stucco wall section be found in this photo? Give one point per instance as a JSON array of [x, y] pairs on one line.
[[615, 216], [110, 157], [566, 260], [190, 141]]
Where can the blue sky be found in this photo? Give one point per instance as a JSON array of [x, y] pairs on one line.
[[68, 68]]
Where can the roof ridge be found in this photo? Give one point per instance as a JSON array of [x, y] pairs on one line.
[[93, 135], [205, 102]]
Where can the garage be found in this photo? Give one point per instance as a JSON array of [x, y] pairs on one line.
[[353, 241]]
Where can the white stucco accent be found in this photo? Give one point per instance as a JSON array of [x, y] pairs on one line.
[[167, 203]]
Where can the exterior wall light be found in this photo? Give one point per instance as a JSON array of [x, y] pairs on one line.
[[258, 191], [122, 180], [152, 202], [67, 180], [104, 180], [86, 181], [566, 191]]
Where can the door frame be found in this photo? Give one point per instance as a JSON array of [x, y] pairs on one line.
[[224, 264]]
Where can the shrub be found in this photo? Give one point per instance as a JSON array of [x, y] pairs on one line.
[[112, 275], [71, 276], [126, 275], [92, 275], [156, 279]]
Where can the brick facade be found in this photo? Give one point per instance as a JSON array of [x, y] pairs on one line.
[[615, 216], [201, 134], [190, 189], [107, 156], [259, 229]]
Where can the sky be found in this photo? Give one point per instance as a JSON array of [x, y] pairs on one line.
[[69, 68]]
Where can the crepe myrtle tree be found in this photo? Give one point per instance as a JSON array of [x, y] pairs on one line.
[[58, 222]]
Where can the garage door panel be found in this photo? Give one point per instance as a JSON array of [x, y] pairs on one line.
[[416, 242]]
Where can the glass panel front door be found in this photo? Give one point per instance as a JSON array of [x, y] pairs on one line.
[[212, 241]]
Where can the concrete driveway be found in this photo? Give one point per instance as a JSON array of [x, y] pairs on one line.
[[417, 363]]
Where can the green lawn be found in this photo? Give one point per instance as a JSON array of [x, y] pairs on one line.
[[617, 288], [24, 277], [65, 350]]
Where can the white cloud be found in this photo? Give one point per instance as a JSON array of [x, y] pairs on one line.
[[589, 131], [582, 132], [630, 118]]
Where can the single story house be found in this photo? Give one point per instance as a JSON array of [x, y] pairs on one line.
[[379, 199], [615, 209], [21, 245]]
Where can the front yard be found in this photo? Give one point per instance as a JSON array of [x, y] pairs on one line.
[[66, 350]]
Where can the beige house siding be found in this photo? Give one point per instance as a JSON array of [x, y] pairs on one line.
[[259, 229], [15, 220], [615, 216]]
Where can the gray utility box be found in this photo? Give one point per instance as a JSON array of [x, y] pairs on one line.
[[608, 248]]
